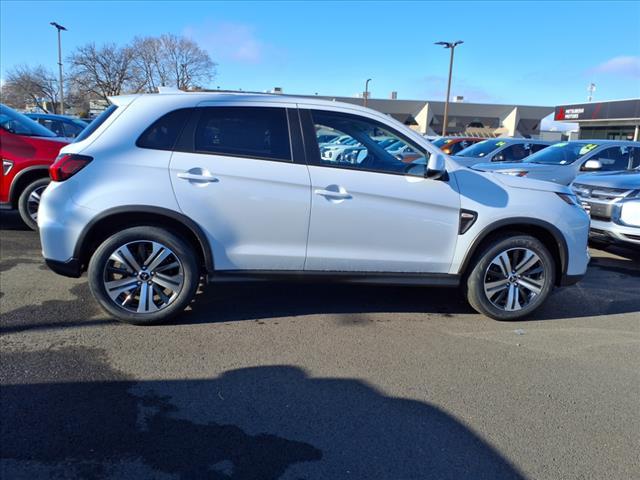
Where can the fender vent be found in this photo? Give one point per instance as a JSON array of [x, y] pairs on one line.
[[467, 219]]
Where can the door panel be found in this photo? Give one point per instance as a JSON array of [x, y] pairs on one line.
[[372, 210], [381, 222], [255, 212]]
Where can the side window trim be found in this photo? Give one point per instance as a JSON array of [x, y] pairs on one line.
[[312, 149]]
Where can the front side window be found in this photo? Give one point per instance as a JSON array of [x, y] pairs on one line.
[[73, 129], [513, 153], [255, 132], [370, 145], [614, 158]]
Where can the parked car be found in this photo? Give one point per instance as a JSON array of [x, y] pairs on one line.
[[171, 188], [453, 145], [500, 150], [61, 125], [562, 162], [27, 150], [613, 203]]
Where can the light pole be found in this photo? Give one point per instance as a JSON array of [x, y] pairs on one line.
[[366, 91], [60, 28], [452, 46]]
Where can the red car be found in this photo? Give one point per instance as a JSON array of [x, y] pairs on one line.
[[453, 145], [27, 149]]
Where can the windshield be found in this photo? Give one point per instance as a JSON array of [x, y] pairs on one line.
[[562, 153], [18, 124], [93, 126], [481, 149]]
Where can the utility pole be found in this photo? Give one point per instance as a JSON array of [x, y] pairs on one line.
[[61, 94], [366, 91], [452, 46], [591, 88]]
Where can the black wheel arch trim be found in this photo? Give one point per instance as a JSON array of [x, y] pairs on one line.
[[160, 211], [13, 195], [555, 232]]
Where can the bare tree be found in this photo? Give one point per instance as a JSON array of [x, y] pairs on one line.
[[105, 71], [25, 84], [188, 64], [174, 61]]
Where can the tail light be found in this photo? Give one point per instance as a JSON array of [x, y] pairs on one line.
[[67, 165]]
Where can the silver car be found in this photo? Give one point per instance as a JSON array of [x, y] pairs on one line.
[[562, 162], [613, 202], [499, 150]]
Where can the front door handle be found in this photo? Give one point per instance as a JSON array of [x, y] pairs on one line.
[[342, 195], [198, 175]]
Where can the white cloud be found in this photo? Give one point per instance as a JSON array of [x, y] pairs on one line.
[[230, 41], [622, 65]]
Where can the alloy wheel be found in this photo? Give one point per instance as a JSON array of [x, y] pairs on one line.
[[514, 278], [33, 202], [143, 276]]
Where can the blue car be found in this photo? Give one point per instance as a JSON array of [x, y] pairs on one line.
[[61, 125]]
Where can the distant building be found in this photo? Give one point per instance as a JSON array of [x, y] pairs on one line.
[[613, 120], [474, 119]]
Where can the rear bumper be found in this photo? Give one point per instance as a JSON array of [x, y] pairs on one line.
[[70, 268]]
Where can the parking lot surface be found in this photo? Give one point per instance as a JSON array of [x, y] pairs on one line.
[[267, 381]]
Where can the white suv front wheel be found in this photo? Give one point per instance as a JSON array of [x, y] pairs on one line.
[[512, 277], [143, 275]]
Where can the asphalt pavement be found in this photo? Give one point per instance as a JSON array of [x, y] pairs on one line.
[[318, 381]]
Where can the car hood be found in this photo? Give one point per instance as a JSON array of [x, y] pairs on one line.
[[627, 180], [496, 166], [524, 182]]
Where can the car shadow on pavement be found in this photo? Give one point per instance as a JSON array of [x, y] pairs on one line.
[[82, 419]]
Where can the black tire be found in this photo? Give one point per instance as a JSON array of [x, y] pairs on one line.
[[180, 249], [23, 202], [475, 282]]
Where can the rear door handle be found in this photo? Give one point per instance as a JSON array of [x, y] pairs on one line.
[[333, 194]]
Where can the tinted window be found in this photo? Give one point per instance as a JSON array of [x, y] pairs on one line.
[[163, 133], [513, 153], [72, 130], [244, 131], [93, 126], [364, 150], [536, 147], [614, 158], [54, 125], [635, 157]]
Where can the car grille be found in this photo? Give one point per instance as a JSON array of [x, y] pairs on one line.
[[599, 193]]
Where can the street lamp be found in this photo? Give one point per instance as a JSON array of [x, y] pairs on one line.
[[366, 91], [452, 46], [60, 28]]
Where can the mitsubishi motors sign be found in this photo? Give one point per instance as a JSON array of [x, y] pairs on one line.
[[617, 110]]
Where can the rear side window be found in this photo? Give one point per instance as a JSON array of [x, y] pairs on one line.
[[536, 147], [163, 133], [261, 132], [93, 126]]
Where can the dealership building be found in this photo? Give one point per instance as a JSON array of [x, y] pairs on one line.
[[472, 119], [614, 120]]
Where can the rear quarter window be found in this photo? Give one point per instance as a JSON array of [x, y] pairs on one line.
[[164, 132]]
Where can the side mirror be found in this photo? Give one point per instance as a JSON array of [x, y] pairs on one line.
[[435, 167], [592, 165]]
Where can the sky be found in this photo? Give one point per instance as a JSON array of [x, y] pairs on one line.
[[529, 53]]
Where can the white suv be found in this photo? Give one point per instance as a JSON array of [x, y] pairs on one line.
[[167, 189]]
